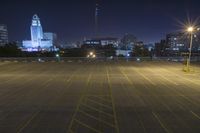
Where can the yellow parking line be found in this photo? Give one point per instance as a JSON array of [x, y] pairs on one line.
[[181, 76], [111, 94], [79, 103], [162, 125], [181, 95], [102, 99], [131, 83], [127, 78], [26, 124], [93, 117], [87, 126], [92, 108], [88, 99], [163, 77], [168, 80], [195, 115], [145, 77]]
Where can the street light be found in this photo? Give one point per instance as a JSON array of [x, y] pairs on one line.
[[58, 57], [91, 53], [94, 56], [190, 30]]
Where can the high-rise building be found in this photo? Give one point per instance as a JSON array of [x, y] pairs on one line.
[[3, 34], [177, 41], [39, 41]]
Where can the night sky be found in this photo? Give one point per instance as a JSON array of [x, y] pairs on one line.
[[73, 20]]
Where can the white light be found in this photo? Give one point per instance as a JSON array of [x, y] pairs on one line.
[[91, 53], [138, 59], [94, 56], [190, 29], [57, 55]]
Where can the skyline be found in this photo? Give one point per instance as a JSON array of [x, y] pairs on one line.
[[149, 21]]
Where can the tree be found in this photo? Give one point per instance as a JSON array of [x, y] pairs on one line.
[[10, 50], [128, 40], [141, 51]]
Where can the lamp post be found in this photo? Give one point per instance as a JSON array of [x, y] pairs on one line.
[[58, 57], [190, 30]]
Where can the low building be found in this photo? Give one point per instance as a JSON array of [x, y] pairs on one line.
[[103, 41], [124, 53], [51, 36]]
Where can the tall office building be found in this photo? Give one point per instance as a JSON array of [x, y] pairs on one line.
[[3, 34], [39, 41]]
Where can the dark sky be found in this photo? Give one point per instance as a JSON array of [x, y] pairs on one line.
[[72, 20]]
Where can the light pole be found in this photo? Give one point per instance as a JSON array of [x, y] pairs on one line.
[[58, 57], [190, 30]]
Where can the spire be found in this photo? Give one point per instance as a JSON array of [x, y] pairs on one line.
[[97, 18]]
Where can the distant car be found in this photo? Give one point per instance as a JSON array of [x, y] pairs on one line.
[[138, 59], [40, 60], [175, 60]]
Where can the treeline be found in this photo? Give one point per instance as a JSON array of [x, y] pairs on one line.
[[12, 50]]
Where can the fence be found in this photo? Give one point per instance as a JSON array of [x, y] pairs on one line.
[[72, 59]]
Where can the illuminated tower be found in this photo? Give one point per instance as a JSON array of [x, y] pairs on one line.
[[97, 18], [36, 32]]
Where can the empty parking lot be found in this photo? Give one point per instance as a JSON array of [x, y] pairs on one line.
[[99, 97]]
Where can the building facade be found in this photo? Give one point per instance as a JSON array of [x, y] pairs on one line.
[[51, 36], [180, 43], [3, 35], [103, 41], [39, 41], [177, 41]]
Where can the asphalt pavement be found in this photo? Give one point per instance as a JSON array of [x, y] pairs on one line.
[[99, 97]]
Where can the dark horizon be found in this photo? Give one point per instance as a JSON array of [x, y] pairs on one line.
[[72, 20]]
